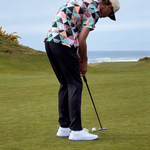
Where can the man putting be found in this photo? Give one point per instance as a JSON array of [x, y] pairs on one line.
[[66, 48]]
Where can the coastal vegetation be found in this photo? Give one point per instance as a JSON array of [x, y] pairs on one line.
[[10, 37], [144, 59]]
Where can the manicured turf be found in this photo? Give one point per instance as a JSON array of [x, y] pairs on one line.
[[28, 105]]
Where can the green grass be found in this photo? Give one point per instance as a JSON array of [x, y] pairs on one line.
[[28, 104]]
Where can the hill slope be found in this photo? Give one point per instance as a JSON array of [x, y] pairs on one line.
[[19, 58], [12, 48]]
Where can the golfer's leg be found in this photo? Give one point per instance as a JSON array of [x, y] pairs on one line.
[[64, 120], [74, 94], [68, 62], [75, 106]]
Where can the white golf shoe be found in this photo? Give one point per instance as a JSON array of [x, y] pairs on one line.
[[63, 132], [82, 135]]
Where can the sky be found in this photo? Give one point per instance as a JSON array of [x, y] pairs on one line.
[[31, 19]]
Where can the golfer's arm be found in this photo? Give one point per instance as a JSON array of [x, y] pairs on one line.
[[82, 44]]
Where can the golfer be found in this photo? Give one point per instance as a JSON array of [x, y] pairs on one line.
[[66, 49]]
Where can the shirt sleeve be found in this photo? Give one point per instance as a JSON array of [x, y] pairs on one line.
[[90, 18]]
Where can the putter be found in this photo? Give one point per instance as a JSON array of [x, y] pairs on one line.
[[101, 129]]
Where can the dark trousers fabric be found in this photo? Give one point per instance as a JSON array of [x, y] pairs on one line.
[[64, 61]]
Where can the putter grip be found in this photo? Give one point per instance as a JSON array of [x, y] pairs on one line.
[[84, 78]]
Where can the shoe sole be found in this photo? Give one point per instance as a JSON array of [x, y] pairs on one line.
[[62, 135], [83, 140]]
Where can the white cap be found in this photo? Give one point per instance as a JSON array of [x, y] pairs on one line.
[[116, 7]]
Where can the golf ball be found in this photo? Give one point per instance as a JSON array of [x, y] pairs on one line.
[[94, 129]]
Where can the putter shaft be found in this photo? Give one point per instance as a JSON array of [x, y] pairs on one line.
[[102, 129]]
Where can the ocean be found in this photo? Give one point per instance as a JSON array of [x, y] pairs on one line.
[[116, 56]]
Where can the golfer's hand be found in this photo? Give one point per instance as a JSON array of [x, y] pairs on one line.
[[83, 68]]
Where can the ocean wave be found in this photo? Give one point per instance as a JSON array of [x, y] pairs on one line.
[[107, 59], [116, 56]]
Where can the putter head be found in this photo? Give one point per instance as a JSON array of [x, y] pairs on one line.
[[102, 129]]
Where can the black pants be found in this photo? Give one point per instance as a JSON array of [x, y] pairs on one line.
[[64, 61]]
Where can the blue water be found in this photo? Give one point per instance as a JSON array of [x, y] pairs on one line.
[[116, 56]]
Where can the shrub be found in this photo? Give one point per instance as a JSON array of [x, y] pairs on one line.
[[10, 37], [145, 58]]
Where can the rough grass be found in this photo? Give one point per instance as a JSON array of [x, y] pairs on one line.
[[28, 105]]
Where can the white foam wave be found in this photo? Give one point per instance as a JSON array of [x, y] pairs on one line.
[[107, 59]]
